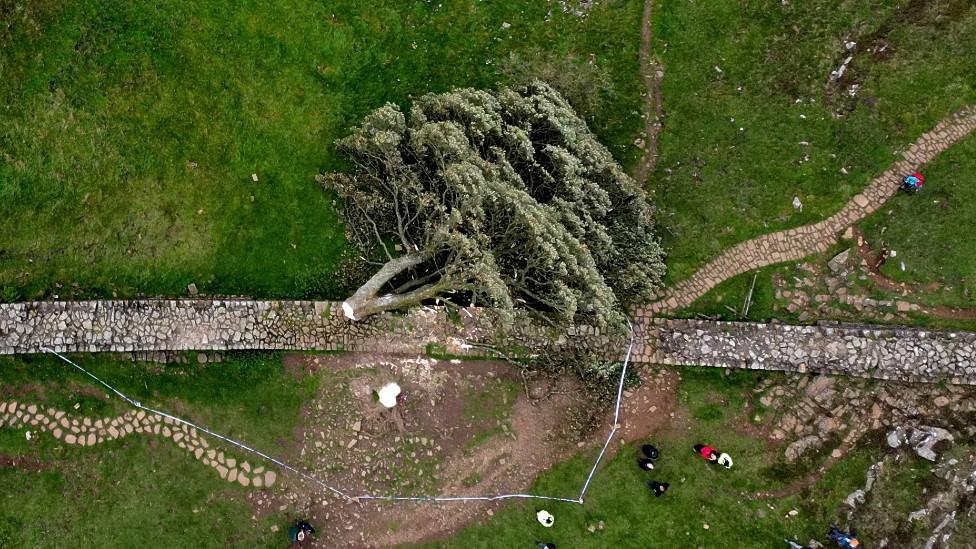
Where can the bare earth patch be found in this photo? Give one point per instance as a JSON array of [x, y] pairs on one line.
[[461, 428]]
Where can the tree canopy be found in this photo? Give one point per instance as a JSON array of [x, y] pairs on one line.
[[502, 198]]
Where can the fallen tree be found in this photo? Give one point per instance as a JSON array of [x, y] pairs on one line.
[[495, 198]]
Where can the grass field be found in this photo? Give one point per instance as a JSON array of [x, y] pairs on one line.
[[129, 132], [934, 232], [752, 121], [700, 495], [129, 491], [120, 493]]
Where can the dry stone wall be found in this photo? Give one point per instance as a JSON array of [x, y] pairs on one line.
[[904, 354], [154, 326]]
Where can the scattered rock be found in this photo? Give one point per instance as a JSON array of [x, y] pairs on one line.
[[839, 261]]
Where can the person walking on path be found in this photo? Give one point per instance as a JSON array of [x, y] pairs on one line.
[[659, 488], [913, 183]]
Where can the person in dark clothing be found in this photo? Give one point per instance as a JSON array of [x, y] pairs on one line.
[[545, 545], [659, 488], [300, 531], [645, 464], [650, 452], [847, 540]]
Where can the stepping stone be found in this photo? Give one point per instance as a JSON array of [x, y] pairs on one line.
[[243, 480], [198, 453], [231, 462], [222, 471], [91, 440], [257, 482], [232, 476], [246, 466], [70, 439], [32, 409], [270, 477], [57, 433], [113, 432]]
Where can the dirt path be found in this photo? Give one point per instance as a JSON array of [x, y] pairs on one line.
[[651, 73], [471, 445], [874, 262], [794, 244]]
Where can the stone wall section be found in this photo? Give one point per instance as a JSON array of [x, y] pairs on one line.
[[891, 353], [154, 326]]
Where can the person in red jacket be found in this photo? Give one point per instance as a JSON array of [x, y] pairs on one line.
[[707, 452]]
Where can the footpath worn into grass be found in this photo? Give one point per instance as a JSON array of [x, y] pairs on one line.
[[706, 505], [129, 132]]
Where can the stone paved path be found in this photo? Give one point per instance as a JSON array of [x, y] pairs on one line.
[[86, 431], [795, 244]]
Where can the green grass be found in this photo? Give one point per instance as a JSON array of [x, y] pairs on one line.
[[490, 406], [717, 185], [700, 494], [129, 131], [732, 293], [248, 395], [123, 492], [934, 232]]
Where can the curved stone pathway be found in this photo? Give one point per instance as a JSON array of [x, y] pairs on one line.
[[795, 244], [651, 73], [85, 431]]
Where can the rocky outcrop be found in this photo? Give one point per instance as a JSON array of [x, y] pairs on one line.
[[921, 439]]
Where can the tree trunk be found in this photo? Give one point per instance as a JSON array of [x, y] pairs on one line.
[[365, 302]]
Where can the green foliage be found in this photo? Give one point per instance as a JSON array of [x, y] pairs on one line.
[[585, 84], [600, 376], [506, 197], [120, 121]]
